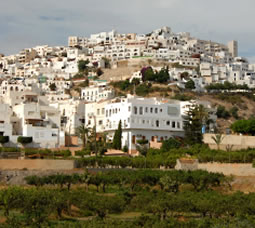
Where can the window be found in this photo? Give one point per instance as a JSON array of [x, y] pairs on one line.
[[178, 125], [157, 123], [146, 109], [98, 111], [106, 113], [133, 139], [152, 138], [168, 122], [102, 111], [151, 110], [135, 110], [161, 110], [141, 110], [156, 110], [173, 124], [129, 108], [100, 122]]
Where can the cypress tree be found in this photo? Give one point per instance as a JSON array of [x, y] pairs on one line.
[[117, 138]]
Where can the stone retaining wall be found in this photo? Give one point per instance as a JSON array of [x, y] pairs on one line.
[[36, 164], [237, 169]]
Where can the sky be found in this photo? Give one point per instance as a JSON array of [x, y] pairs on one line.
[[27, 23]]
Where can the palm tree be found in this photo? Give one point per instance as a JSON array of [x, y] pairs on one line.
[[82, 132], [218, 138]]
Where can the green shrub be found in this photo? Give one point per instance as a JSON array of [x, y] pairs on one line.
[[4, 139], [24, 140]]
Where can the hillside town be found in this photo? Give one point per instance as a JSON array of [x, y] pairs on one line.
[[47, 93]]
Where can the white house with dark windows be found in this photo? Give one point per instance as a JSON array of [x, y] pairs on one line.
[[143, 118]]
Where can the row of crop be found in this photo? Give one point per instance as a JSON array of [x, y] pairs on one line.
[[35, 151], [37, 206], [123, 162], [167, 180], [47, 152]]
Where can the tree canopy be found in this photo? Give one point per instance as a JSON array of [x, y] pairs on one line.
[[117, 138]]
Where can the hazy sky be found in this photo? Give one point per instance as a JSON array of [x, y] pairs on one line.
[[26, 23]]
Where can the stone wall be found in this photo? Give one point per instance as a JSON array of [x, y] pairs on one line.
[[186, 164], [36, 164], [16, 177], [234, 142], [237, 169]]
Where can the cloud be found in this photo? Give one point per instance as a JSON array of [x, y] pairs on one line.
[[47, 18]]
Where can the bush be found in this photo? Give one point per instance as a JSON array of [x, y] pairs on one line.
[[234, 112], [244, 126], [222, 112], [4, 139], [24, 140], [142, 90], [9, 149]]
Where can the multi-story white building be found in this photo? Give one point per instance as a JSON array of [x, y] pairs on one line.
[[42, 123], [143, 118], [97, 93]]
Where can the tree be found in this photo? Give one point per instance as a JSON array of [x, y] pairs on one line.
[[244, 126], [23, 140], [162, 76], [53, 86], [117, 138], [37, 206], [142, 147], [4, 139], [194, 120], [147, 74], [169, 144], [218, 138], [82, 65], [222, 112], [82, 132], [99, 72], [234, 112], [190, 85]]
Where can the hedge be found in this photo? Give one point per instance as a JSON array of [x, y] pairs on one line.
[[9, 149], [124, 162], [47, 152], [25, 140]]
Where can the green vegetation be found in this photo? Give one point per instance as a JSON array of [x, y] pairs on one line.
[[82, 65], [126, 198], [244, 126], [4, 139], [83, 133], [156, 158], [24, 140], [46, 153], [190, 85], [194, 120], [182, 97], [117, 138], [234, 99], [222, 112], [148, 75], [226, 86]]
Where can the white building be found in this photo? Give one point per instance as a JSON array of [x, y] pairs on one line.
[[143, 118], [97, 93]]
